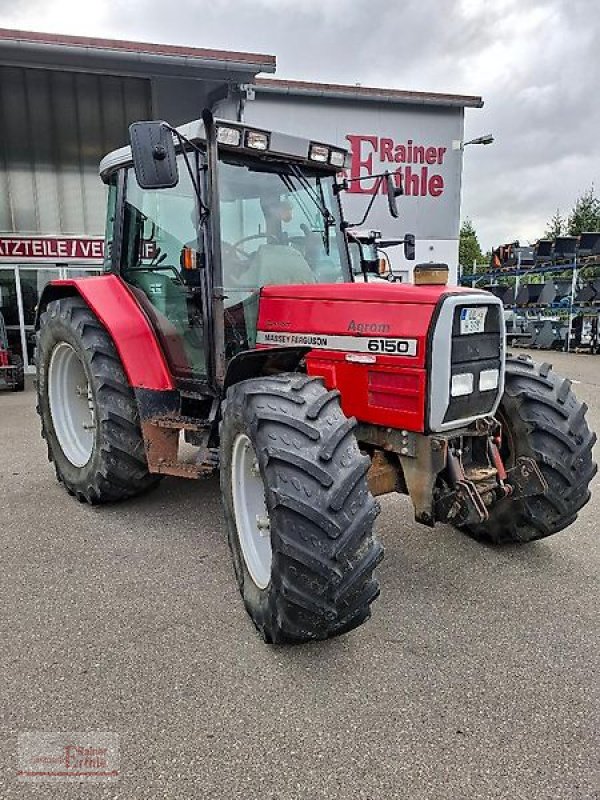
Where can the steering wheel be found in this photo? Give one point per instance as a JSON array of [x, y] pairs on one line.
[[237, 246]]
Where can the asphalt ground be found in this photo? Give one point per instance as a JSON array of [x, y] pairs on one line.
[[477, 676]]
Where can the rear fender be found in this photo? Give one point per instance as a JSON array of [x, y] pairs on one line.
[[117, 309]]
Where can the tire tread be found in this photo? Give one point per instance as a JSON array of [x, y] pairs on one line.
[[551, 427]]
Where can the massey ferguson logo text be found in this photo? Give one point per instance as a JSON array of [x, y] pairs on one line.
[[414, 164], [347, 344]]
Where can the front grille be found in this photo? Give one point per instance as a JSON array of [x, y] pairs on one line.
[[456, 350], [475, 353]]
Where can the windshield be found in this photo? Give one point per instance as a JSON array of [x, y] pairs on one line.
[[278, 226]]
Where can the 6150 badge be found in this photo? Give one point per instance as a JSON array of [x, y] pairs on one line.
[[397, 347]]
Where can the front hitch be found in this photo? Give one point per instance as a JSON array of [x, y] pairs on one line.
[[455, 477], [526, 478]]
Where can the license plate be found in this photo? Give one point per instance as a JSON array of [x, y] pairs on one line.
[[472, 320]]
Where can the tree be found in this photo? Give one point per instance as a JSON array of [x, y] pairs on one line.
[[469, 251], [556, 226], [585, 215]]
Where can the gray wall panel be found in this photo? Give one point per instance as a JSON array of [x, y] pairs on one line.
[[56, 126], [65, 123], [43, 151], [16, 145]]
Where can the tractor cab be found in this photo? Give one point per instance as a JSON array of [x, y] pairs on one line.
[[223, 211]]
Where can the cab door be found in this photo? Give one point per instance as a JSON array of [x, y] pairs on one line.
[[158, 226]]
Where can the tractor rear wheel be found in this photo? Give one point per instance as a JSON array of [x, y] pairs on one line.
[[298, 511], [542, 419], [87, 407]]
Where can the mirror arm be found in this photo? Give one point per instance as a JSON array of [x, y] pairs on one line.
[[377, 186], [184, 140], [391, 242], [345, 181]]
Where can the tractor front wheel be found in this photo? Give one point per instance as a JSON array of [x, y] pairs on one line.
[[87, 407], [298, 511], [541, 419]]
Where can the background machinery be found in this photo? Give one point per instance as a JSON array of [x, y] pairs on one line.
[[12, 375]]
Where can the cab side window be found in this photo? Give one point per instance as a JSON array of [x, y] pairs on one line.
[[157, 226]]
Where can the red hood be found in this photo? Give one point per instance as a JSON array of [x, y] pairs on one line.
[[368, 340], [376, 292]]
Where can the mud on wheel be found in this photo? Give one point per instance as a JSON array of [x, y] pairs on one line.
[[87, 408], [542, 419], [298, 511]]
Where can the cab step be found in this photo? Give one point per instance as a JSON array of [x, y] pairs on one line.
[[193, 470], [181, 423], [162, 445]]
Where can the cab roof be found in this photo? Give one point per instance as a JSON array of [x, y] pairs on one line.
[[284, 145]]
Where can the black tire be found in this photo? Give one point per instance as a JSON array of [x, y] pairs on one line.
[[19, 374], [321, 512], [541, 419], [117, 468]]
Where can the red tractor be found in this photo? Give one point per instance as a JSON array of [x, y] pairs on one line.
[[12, 374], [228, 333]]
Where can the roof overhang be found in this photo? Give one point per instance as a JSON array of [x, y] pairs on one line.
[[143, 59], [339, 91]]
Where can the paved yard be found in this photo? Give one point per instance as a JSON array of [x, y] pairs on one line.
[[476, 678]]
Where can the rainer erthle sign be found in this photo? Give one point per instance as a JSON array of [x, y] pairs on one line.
[[414, 163]]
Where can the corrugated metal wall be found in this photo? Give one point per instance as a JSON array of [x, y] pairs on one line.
[[54, 129]]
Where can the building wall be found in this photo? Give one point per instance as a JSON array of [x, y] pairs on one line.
[[383, 136], [56, 126]]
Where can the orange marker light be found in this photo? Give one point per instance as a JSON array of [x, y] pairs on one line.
[[189, 258]]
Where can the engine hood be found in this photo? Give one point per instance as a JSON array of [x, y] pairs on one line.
[[376, 292]]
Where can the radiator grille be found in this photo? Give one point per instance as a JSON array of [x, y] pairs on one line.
[[475, 353]]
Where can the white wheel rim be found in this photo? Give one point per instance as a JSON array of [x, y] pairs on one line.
[[251, 516], [71, 405]]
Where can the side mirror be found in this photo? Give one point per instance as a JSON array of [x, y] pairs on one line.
[[392, 191], [153, 152], [409, 246]]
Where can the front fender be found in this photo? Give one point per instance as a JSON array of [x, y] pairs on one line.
[[264, 361], [116, 308]]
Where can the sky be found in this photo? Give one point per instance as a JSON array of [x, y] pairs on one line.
[[536, 63]]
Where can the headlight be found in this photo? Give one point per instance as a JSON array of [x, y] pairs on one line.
[[257, 140], [462, 385], [231, 136], [318, 152], [337, 158], [488, 380]]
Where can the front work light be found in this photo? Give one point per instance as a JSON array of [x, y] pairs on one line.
[[318, 152], [257, 140], [488, 380], [337, 158], [231, 136], [462, 385]]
